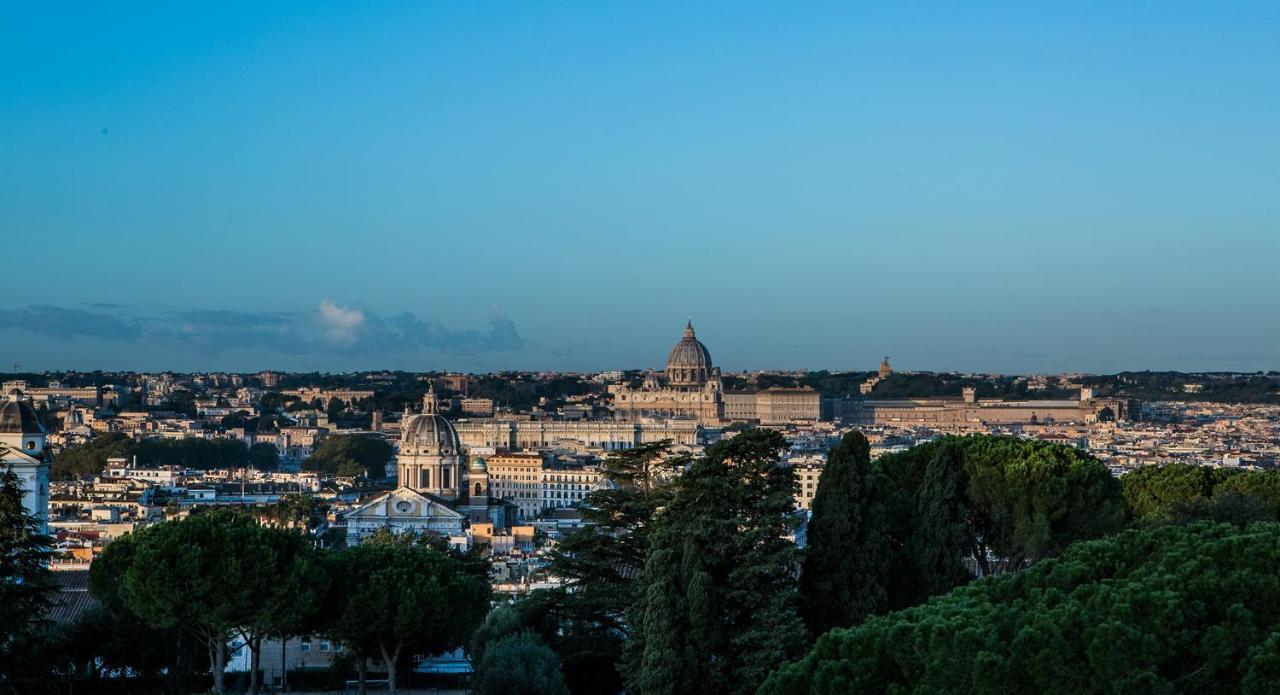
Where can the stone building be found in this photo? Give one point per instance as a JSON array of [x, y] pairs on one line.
[[970, 412], [689, 387], [438, 492], [22, 451]]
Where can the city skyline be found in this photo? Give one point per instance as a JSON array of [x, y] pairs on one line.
[[998, 189]]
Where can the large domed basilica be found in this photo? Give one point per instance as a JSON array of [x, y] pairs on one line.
[[689, 387]]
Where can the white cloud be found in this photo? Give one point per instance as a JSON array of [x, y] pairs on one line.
[[339, 323]]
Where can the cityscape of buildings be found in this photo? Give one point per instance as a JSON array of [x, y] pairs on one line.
[[512, 479]]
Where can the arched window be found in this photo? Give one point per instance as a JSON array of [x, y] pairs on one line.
[[477, 489]]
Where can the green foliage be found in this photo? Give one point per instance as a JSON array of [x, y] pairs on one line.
[[1032, 499], [90, 459], [889, 535], [1151, 492], [350, 454], [1180, 492], [25, 587], [584, 621], [1191, 608], [387, 598], [192, 452], [849, 548], [716, 609], [215, 574], [502, 622], [264, 456], [519, 665]]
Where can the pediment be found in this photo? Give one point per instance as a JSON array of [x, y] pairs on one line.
[[13, 456], [404, 503]]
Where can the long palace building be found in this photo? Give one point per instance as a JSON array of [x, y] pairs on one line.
[[970, 411]]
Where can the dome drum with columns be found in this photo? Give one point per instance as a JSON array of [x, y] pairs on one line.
[[689, 362], [430, 457]]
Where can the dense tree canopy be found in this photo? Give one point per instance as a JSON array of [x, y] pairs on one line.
[[888, 535], [1178, 491], [717, 603], [90, 459], [519, 664], [264, 456], [217, 574], [350, 454], [1023, 499], [1193, 608], [392, 599]]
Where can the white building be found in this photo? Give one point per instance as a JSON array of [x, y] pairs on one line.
[[22, 450]]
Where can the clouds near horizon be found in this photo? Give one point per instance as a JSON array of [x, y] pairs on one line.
[[330, 329]]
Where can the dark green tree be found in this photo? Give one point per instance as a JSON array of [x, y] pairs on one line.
[[519, 664], [216, 574], [350, 455], [502, 622], [940, 538], [125, 642], [717, 608], [25, 588], [392, 599], [90, 459], [849, 551], [1151, 491], [1188, 608], [264, 456]]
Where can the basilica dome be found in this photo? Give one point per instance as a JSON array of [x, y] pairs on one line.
[[429, 432], [17, 417], [689, 363]]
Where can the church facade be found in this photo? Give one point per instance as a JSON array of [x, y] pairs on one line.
[[22, 451], [437, 491]]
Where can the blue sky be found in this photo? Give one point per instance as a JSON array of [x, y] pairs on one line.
[[1006, 187]]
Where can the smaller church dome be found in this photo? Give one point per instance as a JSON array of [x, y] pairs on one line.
[[429, 432], [18, 417], [478, 465]]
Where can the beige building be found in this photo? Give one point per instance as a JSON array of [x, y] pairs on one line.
[[568, 485], [586, 435], [782, 406], [309, 394], [808, 471], [517, 478], [968, 411], [690, 388]]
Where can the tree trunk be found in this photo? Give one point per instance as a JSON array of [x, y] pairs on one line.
[[218, 663], [255, 661], [284, 667], [362, 671], [391, 660]]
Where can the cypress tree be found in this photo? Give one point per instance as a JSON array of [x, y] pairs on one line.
[[716, 610], [848, 555], [940, 540]]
